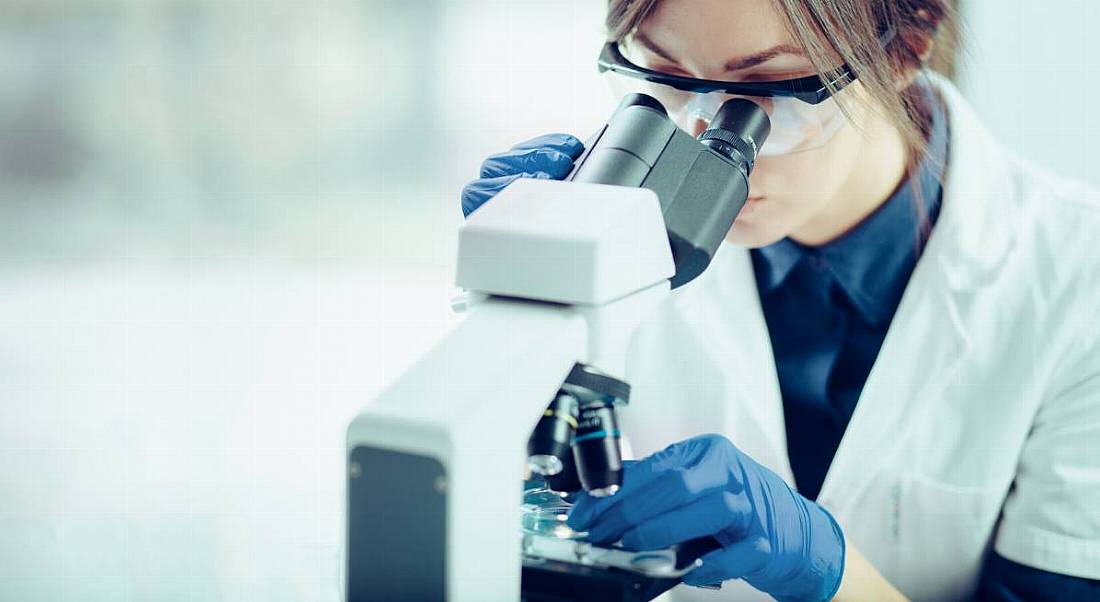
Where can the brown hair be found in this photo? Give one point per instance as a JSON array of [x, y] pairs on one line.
[[850, 30]]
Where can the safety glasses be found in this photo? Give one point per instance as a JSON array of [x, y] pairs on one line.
[[803, 111], [811, 89]]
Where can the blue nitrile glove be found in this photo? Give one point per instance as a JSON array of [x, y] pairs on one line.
[[546, 157], [772, 537]]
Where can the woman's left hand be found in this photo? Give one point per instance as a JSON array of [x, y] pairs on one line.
[[772, 537]]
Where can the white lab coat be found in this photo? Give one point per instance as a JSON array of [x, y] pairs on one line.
[[979, 423]]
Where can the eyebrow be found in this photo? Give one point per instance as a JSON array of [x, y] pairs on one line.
[[737, 64]]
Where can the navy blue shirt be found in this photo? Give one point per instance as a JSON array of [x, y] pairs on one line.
[[852, 287], [854, 284]]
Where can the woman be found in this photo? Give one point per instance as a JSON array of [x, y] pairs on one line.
[[897, 342]]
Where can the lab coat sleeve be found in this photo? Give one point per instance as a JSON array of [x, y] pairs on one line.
[[1051, 518]]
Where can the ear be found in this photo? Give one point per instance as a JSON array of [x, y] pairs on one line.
[[918, 43], [919, 46]]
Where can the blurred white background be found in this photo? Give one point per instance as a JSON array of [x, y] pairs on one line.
[[226, 223], [1032, 71]]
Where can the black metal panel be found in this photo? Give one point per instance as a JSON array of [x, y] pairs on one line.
[[553, 581], [397, 527]]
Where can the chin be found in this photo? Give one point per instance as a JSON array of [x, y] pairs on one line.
[[746, 233]]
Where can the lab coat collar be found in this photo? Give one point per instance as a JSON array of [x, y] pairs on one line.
[[976, 229]]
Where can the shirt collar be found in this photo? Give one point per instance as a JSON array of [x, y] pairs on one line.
[[872, 261]]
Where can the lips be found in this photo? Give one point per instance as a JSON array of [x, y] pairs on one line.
[[749, 206]]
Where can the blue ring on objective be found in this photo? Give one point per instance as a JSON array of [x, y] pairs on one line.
[[594, 435]]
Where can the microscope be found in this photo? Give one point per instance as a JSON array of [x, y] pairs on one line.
[[559, 275]]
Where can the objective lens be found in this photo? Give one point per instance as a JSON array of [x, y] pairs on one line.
[[549, 442], [565, 481], [544, 464], [596, 450]]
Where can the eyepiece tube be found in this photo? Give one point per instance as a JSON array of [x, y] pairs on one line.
[[739, 128], [629, 145], [642, 100], [744, 117]]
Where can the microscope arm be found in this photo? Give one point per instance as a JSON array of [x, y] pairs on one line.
[[435, 460]]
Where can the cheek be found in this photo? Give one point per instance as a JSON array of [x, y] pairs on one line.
[[788, 178], [795, 188], [810, 178], [784, 182]]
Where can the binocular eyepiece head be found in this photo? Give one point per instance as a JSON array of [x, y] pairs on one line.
[[736, 131], [702, 183]]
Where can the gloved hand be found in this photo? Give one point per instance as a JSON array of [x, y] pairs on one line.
[[546, 157], [772, 537]]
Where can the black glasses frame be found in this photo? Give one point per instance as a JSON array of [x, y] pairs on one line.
[[812, 89]]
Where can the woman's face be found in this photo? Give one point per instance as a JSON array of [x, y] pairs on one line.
[[703, 39]]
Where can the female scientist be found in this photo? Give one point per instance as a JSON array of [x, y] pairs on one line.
[[899, 341]]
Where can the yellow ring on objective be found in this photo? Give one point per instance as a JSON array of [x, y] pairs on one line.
[[571, 421]]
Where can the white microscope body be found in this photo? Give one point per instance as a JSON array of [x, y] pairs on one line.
[[564, 272]]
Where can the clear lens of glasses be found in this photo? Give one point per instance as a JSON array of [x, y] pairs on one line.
[[796, 126]]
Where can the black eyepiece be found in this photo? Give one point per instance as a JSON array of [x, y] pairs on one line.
[[643, 100], [739, 128]]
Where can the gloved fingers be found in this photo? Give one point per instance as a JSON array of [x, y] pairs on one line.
[[668, 465], [732, 562], [664, 493], [714, 512], [637, 479], [550, 153], [548, 160], [636, 474], [692, 452], [563, 143], [476, 193]]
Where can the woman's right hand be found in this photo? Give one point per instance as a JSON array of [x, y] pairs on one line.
[[547, 157]]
